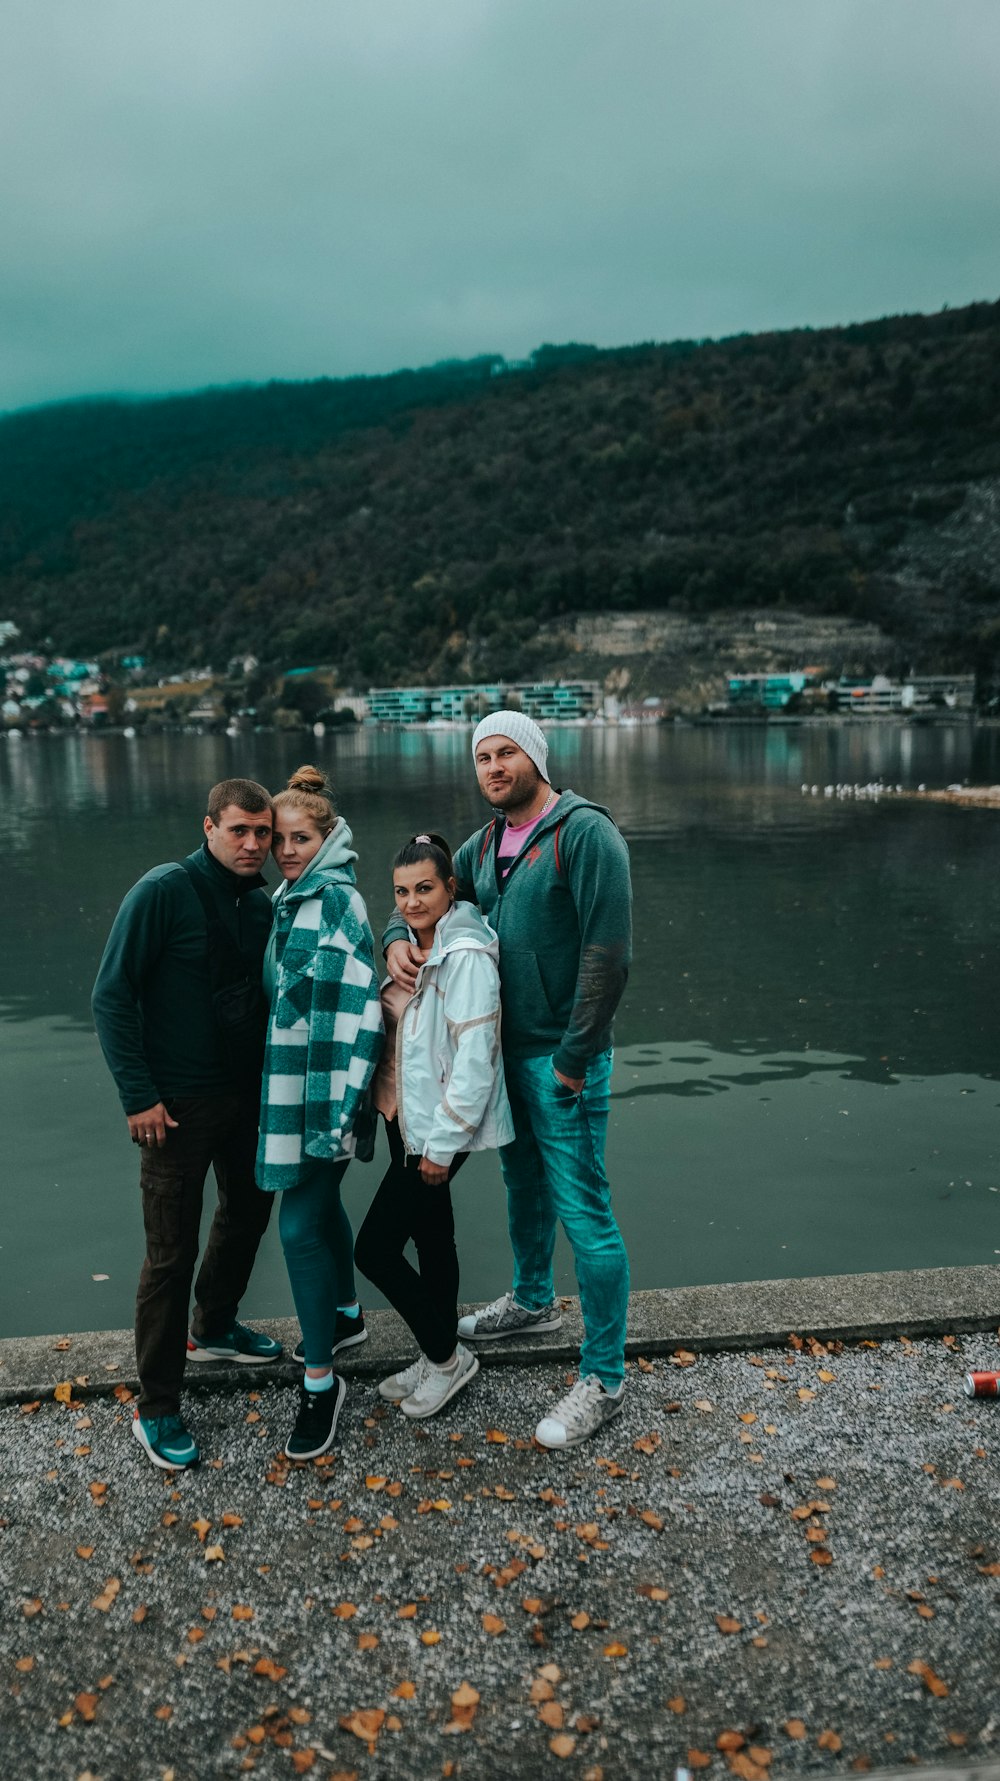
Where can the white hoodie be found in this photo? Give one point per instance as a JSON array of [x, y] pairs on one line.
[[449, 1068]]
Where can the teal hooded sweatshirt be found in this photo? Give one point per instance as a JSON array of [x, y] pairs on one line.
[[563, 915]]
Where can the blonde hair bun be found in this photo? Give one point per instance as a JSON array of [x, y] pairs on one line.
[[309, 779], [308, 791]]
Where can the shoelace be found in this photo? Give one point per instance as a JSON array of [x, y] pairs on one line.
[[498, 1309], [574, 1406]]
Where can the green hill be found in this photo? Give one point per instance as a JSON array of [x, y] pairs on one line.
[[426, 523]]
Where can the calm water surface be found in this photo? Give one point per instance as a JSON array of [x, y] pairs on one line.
[[807, 1066]]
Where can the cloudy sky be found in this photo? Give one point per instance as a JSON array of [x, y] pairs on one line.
[[203, 193]]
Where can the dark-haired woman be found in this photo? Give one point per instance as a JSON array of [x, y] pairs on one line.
[[324, 1038], [440, 1088]]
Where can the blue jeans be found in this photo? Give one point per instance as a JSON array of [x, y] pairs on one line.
[[318, 1242], [555, 1169]]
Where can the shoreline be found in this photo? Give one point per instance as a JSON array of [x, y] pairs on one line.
[[725, 1318]]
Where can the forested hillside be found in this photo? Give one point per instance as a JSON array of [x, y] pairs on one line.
[[425, 524]]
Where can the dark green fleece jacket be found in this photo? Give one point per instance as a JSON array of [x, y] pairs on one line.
[[564, 918], [152, 1001]]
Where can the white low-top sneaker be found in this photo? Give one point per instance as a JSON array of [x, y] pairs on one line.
[[399, 1385], [577, 1416], [437, 1384], [505, 1317]]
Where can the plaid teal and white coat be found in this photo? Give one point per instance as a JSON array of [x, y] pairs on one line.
[[325, 1032]]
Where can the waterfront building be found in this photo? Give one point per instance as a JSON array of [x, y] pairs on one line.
[[918, 693], [770, 691], [541, 699]]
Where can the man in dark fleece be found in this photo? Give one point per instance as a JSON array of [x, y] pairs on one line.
[[551, 874], [179, 1017]]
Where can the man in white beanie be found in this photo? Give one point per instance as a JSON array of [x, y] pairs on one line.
[[550, 871]]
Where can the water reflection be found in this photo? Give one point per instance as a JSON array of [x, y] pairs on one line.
[[860, 930]]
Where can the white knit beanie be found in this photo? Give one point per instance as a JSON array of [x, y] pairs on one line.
[[522, 730]]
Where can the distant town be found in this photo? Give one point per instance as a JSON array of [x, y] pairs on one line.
[[45, 691]]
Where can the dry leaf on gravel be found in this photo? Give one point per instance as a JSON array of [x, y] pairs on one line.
[[562, 1744], [366, 1724], [744, 1766], [552, 1714], [829, 1740], [698, 1759], [726, 1624], [493, 1625], [729, 1741], [794, 1728], [266, 1666], [931, 1682]]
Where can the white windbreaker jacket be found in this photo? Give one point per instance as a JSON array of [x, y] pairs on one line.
[[450, 1086]]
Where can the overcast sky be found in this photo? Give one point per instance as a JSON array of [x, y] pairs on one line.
[[215, 192]]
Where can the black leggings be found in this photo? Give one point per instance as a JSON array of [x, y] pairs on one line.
[[406, 1207]]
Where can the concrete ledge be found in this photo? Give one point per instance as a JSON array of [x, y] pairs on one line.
[[752, 1314]]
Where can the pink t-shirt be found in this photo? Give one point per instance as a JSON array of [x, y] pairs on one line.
[[515, 835]]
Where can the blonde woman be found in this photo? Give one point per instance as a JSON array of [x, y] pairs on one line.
[[324, 1039]]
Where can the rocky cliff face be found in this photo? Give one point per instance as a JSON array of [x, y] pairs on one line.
[[687, 659]]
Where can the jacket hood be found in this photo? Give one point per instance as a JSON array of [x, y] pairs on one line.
[[333, 864], [463, 927]]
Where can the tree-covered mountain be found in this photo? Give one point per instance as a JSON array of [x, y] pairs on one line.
[[426, 523]]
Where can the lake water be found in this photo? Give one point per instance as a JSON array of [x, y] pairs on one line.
[[806, 1069]]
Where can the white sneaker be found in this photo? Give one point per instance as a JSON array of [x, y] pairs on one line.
[[505, 1317], [577, 1416], [399, 1385], [437, 1384]]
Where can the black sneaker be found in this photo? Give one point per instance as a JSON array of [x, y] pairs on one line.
[[350, 1333], [316, 1422]]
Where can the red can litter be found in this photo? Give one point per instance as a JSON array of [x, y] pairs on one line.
[[981, 1385]]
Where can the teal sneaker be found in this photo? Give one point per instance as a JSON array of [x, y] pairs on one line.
[[242, 1344], [167, 1441]]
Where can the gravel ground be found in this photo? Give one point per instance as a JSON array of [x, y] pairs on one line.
[[761, 1548]]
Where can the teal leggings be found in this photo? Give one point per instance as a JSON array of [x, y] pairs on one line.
[[318, 1242]]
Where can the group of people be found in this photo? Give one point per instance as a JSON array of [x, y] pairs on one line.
[[250, 1033]]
